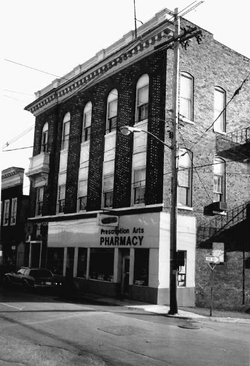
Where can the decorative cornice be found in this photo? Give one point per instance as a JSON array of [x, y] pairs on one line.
[[124, 51]]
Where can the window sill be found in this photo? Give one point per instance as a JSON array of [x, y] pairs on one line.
[[187, 208], [220, 132]]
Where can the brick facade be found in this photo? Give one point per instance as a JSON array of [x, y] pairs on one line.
[[211, 64]]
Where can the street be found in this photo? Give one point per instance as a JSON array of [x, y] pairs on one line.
[[41, 329]]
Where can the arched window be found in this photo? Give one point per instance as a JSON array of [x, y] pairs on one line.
[[187, 96], [65, 131], [142, 97], [184, 189], [219, 110], [219, 180], [112, 104], [87, 116], [44, 140]]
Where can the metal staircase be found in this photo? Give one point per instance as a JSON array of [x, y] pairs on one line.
[[212, 230], [234, 145]]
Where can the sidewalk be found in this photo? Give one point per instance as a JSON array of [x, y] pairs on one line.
[[190, 313]]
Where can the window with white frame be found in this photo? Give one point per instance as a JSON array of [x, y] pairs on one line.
[[87, 116], [65, 131], [184, 189], [142, 98], [61, 198], [6, 212], [219, 180], [219, 110], [187, 96], [181, 268], [44, 141], [108, 187], [39, 201], [13, 211], [112, 106], [139, 186]]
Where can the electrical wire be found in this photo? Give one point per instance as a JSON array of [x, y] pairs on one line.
[[35, 69], [237, 91]]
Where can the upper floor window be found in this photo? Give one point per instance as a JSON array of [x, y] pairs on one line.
[[142, 98], [112, 104], [219, 110], [39, 200], [139, 186], [219, 180], [187, 96], [82, 195], [13, 212], [108, 187], [44, 141], [184, 191], [6, 212], [65, 131], [87, 115], [61, 198]]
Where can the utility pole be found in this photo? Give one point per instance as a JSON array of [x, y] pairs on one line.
[[173, 215]]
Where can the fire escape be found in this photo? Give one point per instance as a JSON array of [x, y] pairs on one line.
[[236, 147]]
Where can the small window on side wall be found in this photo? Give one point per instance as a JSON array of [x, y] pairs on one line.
[[187, 96], [142, 98], [184, 188], [219, 180], [219, 110]]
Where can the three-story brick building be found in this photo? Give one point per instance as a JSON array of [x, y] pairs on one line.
[[101, 201]]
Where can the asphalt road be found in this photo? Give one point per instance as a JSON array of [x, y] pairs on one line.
[[45, 330]]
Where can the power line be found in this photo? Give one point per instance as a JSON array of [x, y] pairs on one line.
[[35, 69], [18, 148], [14, 139], [17, 92]]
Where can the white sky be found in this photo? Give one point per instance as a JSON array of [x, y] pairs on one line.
[[57, 35]]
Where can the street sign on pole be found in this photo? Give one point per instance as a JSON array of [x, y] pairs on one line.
[[212, 259]]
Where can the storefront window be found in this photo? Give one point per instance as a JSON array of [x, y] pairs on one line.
[[141, 267], [82, 262], [182, 267], [55, 260], [101, 264]]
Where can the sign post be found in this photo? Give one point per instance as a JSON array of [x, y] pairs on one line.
[[212, 261]]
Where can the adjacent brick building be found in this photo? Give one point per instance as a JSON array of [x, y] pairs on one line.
[[14, 213], [100, 201]]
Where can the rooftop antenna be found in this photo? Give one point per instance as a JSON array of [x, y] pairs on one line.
[[135, 20]]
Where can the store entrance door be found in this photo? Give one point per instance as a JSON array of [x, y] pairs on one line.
[[125, 275]]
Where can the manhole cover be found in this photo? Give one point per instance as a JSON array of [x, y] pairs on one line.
[[189, 326]]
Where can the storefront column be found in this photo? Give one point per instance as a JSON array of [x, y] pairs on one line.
[[88, 263], [64, 261], [116, 264], [131, 266], [75, 262]]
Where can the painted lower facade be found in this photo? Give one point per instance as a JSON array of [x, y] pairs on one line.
[[128, 260]]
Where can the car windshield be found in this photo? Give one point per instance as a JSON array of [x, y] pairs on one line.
[[40, 273]]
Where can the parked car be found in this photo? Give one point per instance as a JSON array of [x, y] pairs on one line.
[[31, 278]]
